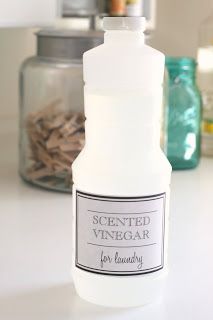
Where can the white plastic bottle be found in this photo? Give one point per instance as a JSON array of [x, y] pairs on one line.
[[121, 177], [133, 8], [205, 83]]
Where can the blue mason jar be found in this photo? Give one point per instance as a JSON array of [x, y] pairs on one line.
[[183, 113]]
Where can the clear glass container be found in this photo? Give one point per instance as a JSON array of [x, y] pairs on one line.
[[51, 107], [184, 114], [205, 83]]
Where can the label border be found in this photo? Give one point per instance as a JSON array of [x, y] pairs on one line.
[[119, 199]]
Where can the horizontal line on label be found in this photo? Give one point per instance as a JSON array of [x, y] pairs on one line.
[[122, 200], [118, 273], [108, 246], [121, 213], [80, 193]]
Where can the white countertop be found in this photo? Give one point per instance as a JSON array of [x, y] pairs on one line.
[[35, 249]]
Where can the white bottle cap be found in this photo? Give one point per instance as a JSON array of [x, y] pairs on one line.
[[124, 23]]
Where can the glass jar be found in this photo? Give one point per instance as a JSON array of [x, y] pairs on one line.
[[184, 114], [51, 107]]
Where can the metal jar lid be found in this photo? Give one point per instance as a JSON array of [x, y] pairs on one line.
[[66, 44]]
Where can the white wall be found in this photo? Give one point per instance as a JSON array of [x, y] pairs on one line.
[[176, 34], [177, 25], [15, 46]]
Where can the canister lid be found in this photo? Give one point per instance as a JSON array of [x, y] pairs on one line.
[[65, 43]]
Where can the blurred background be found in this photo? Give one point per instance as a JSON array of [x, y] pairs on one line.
[[175, 32], [177, 28]]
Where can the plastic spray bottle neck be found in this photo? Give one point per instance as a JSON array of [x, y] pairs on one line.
[[122, 37]]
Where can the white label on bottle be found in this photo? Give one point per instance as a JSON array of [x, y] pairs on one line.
[[119, 235]]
